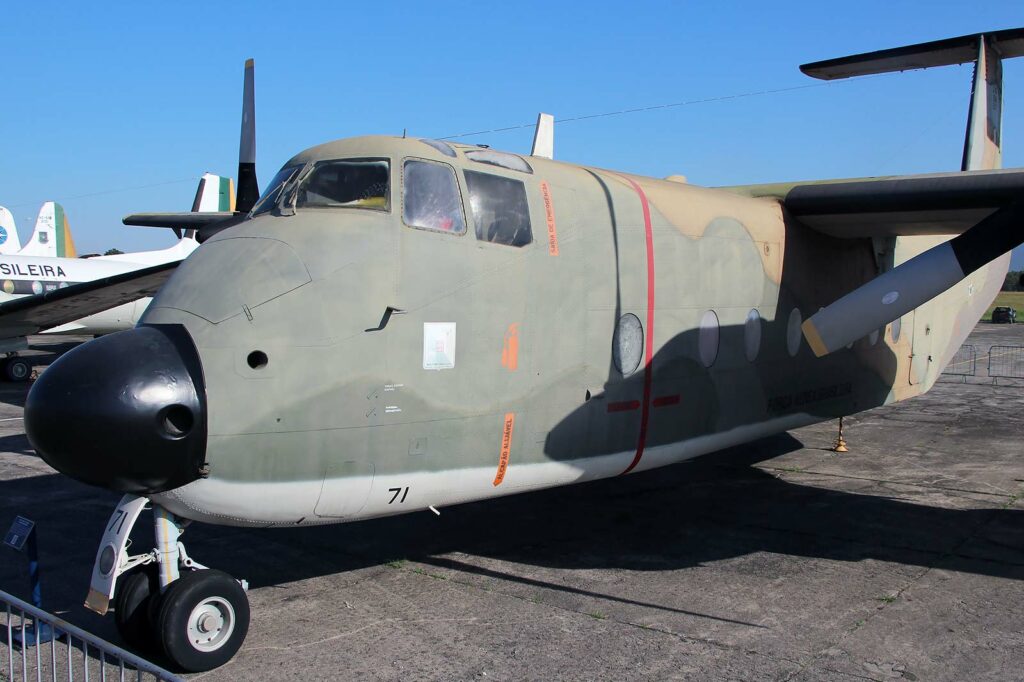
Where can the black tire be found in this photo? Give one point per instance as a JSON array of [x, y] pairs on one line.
[[136, 593], [17, 369], [185, 609]]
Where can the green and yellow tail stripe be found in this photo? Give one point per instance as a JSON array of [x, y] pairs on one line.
[[65, 244]]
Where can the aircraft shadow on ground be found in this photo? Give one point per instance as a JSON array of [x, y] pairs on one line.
[[678, 517]]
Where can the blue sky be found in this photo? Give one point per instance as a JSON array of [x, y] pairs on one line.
[[112, 108]]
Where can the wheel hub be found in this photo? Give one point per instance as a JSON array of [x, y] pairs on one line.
[[210, 624]]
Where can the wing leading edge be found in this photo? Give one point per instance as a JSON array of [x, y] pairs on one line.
[[940, 203], [32, 314]]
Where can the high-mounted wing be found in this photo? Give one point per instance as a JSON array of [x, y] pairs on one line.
[[982, 206], [940, 203], [984, 209], [32, 314]]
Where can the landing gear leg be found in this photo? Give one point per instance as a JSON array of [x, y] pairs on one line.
[[198, 616], [204, 614], [840, 444]]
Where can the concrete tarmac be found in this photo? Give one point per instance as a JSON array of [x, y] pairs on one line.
[[778, 560]]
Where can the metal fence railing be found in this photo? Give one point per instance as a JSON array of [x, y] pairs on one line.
[[1006, 361], [70, 654], [964, 362]]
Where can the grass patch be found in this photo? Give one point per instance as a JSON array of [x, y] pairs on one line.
[[1013, 299], [395, 563], [597, 615], [886, 599]]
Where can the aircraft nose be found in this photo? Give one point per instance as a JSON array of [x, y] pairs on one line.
[[125, 411]]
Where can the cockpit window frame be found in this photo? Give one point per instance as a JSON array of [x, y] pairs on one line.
[[305, 173], [456, 176], [295, 171], [472, 226]]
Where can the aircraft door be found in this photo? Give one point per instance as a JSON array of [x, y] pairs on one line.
[[616, 317], [554, 329]]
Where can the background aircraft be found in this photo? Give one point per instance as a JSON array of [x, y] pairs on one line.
[[38, 293], [9, 241], [51, 237], [400, 324]]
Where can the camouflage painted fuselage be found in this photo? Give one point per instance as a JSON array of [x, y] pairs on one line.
[[343, 422]]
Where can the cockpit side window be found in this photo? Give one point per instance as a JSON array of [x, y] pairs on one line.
[[346, 183], [430, 197], [273, 191], [499, 209]]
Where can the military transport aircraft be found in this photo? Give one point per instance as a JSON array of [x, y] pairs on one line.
[[44, 294], [403, 324]]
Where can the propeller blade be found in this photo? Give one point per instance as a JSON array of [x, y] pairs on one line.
[[907, 286], [248, 186]]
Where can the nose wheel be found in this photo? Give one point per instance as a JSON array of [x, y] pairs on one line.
[[164, 600], [204, 617]]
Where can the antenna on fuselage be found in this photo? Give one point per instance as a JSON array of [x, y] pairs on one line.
[[248, 185], [544, 137]]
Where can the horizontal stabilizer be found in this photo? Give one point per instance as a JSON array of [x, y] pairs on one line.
[[32, 314], [902, 289], [960, 50], [182, 221]]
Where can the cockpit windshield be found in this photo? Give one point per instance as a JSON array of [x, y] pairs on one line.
[[348, 183], [270, 196]]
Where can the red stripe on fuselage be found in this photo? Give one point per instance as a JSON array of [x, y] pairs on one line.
[[645, 411], [624, 406]]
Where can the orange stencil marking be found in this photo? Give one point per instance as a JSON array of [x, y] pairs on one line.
[[510, 349], [549, 212], [506, 447]]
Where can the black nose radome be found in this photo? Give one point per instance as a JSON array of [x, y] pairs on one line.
[[126, 411]]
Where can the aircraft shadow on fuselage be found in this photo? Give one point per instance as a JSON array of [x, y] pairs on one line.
[[712, 509], [689, 399]]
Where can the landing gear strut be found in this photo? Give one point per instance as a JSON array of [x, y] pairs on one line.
[[164, 600]]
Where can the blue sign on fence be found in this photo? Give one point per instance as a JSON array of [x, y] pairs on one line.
[[18, 533]]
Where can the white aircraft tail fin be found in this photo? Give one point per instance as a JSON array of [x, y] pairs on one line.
[[9, 242], [52, 236], [215, 193]]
